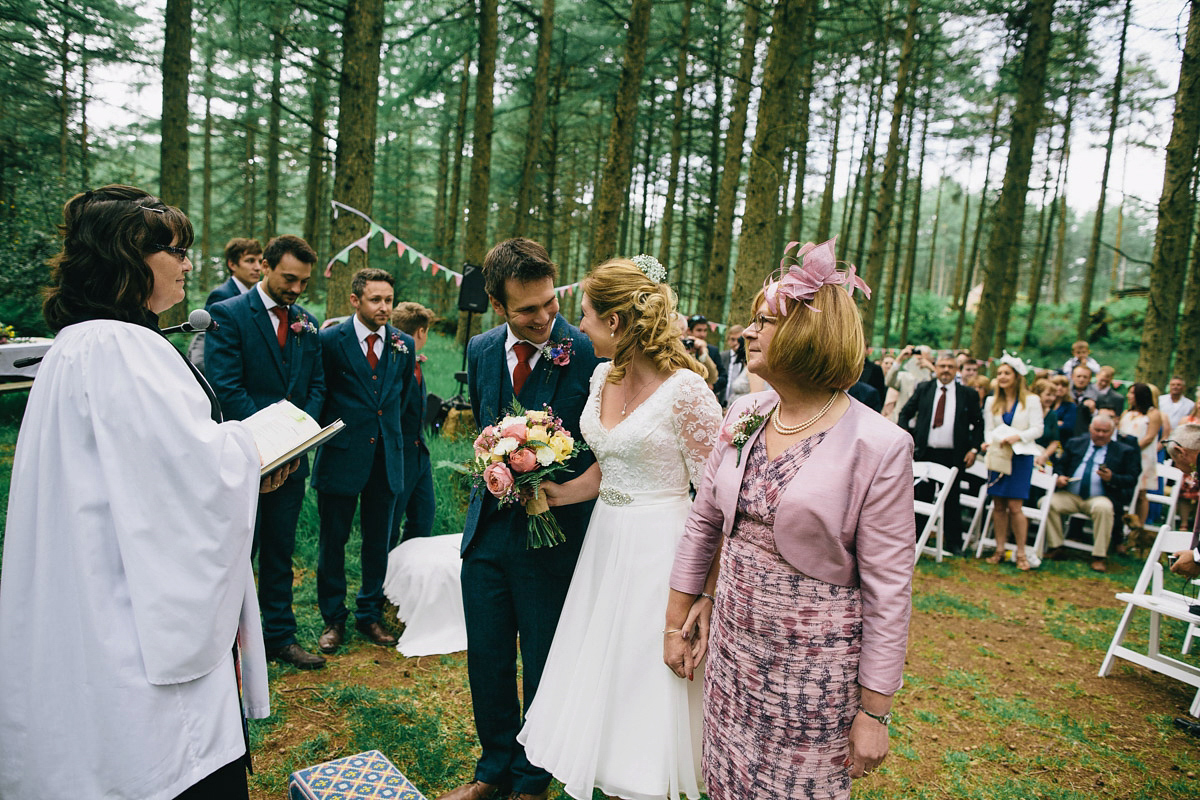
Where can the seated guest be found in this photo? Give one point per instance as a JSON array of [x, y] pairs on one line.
[[1048, 441], [1096, 475], [1065, 408], [1081, 353], [1105, 390], [946, 424], [1175, 405], [1083, 394]]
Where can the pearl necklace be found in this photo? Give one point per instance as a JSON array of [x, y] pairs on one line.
[[790, 430]]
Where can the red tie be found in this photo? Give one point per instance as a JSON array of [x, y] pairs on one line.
[[372, 359], [939, 413], [281, 329], [417, 374], [524, 351]]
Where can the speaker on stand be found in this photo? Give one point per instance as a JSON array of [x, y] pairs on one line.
[[473, 299]]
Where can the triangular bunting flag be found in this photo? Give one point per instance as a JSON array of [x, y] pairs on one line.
[[361, 244], [344, 256], [374, 230], [458, 280], [387, 240], [424, 263], [400, 247]]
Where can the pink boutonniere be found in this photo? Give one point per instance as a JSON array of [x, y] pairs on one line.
[[397, 344], [300, 326], [558, 352], [422, 358], [739, 431]]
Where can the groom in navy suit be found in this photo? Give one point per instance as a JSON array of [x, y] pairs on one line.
[[368, 384], [509, 591], [265, 350]]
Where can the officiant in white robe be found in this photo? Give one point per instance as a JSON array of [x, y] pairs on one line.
[[126, 571]]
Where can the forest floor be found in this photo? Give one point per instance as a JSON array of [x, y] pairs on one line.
[[1001, 698]]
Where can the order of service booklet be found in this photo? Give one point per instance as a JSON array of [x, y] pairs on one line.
[[284, 433]]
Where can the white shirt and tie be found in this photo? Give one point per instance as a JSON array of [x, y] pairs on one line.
[[941, 436], [1092, 460], [362, 332], [512, 357]]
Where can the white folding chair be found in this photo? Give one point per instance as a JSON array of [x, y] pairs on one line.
[[935, 512], [977, 501], [1035, 513], [1150, 595], [1172, 478]]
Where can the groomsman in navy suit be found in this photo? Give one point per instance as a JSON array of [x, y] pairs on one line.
[[509, 591], [265, 350], [368, 383], [416, 504], [243, 259]]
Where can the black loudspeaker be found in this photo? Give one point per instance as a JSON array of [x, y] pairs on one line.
[[471, 295]]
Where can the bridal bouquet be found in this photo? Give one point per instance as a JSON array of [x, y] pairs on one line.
[[515, 455]]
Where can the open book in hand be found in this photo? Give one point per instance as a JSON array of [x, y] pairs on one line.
[[283, 433]]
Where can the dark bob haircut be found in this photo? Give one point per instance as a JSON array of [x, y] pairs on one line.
[[101, 271]]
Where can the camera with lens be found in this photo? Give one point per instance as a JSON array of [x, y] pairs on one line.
[[689, 343]]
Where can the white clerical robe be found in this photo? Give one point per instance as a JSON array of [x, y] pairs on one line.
[[126, 570]]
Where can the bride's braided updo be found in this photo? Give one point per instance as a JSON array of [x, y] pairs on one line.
[[645, 310]]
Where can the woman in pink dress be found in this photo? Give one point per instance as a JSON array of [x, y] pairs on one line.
[[800, 547]]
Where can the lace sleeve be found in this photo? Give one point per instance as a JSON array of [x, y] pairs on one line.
[[697, 419]]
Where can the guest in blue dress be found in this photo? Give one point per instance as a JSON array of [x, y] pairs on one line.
[[1012, 422]]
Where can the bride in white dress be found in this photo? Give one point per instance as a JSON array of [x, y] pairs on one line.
[[608, 713]]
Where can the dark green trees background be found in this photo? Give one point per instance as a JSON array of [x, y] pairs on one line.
[[934, 139]]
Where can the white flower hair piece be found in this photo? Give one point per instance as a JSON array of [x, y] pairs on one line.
[[1019, 366], [650, 267]]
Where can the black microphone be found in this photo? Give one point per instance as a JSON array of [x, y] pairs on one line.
[[198, 320]]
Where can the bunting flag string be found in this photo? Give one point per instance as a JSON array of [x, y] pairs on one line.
[[404, 251]]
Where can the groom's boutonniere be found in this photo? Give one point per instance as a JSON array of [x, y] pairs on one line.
[[397, 344], [300, 324], [739, 431], [558, 352]]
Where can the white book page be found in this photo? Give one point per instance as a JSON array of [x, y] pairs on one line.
[[278, 428]]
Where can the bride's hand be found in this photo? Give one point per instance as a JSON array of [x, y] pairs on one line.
[[577, 490], [556, 493]]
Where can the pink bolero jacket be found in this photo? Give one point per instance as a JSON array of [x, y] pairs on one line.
[[846, 518]]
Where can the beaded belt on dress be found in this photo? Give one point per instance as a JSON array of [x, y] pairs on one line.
[[616, 497]]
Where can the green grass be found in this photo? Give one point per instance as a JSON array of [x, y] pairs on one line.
[[942, 602]]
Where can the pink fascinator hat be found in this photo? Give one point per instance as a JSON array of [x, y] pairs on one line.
[[801, 276]]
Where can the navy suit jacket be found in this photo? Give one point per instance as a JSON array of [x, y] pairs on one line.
[[968, 418], [249, 371], [1124, 461], [412, 422], [370, 405], [225, 291], [563, 388]]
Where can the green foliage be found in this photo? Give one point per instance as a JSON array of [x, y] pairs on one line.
[[945, 603], [23, 274]]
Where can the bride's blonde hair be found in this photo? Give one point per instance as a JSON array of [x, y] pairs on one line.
[[646, 312]]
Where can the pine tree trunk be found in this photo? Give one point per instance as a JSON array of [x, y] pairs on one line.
[[1187, 360], [800, 143], [450, 243], [618, 162], [824, 222], [273, 124], [249, 168], [1089, 270], [887, 188], [537, 114], [960, 256], [84, 174], [1175, 208], [207, 190], [439, 195], [865, 187], [973, 257], [681, 83], [318, 162], [1113, 279], [1004, 242], [475, 246], [714, 144], [910, 258], [892, 273], [722, 244], [176, 64], [354, 168], [64, 99], [756, 244]]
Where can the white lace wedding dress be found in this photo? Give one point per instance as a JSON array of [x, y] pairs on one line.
[[609, 713]]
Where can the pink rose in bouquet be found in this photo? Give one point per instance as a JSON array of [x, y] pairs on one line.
[[516, 430], [498, 478], [523, 460]]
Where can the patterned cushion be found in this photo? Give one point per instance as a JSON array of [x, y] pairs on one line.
[[368, 774]]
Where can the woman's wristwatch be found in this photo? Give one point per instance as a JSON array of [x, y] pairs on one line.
[[883, 719]]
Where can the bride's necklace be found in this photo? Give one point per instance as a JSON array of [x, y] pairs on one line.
[[629, 399], [789, 430]]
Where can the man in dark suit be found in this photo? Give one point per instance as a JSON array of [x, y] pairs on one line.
[[509, 591], [243, 259], [368, 368], [946, 424], [698, 328], [415, 506], [872, 375], [265, 350], [1096, 476]]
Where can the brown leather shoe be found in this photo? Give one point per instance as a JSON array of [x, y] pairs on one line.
[[1100, 565], [297, 656], [527, 796], [375, 631], [475, 790], [332, 637]]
